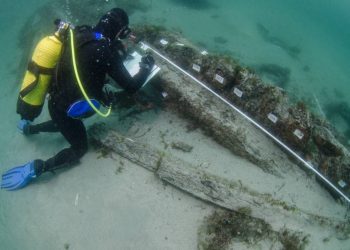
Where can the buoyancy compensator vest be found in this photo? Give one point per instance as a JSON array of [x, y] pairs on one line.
[[39, 73], [84, 108]]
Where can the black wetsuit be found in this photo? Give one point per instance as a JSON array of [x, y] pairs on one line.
[[95, 59]]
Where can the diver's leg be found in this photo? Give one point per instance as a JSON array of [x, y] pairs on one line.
[[77, 137], [75, 133], [49, 126]]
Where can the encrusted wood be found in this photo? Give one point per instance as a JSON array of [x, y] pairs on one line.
[[230, 194]]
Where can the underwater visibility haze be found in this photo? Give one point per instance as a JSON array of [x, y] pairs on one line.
[[300, 46]]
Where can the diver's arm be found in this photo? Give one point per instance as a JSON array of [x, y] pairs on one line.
[[130, 84], [121, 75]]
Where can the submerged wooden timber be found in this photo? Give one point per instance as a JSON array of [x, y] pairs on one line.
[[307, 134], [235, 133], [230, 194]]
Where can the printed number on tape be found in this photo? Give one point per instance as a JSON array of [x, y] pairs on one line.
[[219, 78], [238, 92], [196, 67], [298, 134], [272, 118]]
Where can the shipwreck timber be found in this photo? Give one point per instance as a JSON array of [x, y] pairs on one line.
[[226, 193], [238, 135], [309, 138]]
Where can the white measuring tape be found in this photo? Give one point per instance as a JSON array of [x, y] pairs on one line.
[[307, 164]]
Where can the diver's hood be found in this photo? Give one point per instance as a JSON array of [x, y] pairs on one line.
[[112, 23]]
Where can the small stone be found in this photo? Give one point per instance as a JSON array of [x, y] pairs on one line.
[[182, 146]]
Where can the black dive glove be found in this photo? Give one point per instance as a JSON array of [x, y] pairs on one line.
[[147, 63], [110, 95]]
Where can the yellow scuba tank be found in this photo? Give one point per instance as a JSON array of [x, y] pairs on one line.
[[39, 73]]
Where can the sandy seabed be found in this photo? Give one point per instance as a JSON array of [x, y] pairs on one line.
[[111, 203]]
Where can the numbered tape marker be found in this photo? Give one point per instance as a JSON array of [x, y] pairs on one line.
[[196, 67], [298, 134], [272, 118], [238, 92], [219, 78]]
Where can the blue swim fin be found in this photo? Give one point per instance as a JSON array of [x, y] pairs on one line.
[[18, 177]]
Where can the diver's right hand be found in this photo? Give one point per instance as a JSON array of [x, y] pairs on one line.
[[147, 62], [110, 95]]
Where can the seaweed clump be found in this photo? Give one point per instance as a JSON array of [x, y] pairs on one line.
[[223, 229]]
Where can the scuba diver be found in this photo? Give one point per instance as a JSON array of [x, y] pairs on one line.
[[73, 73]]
